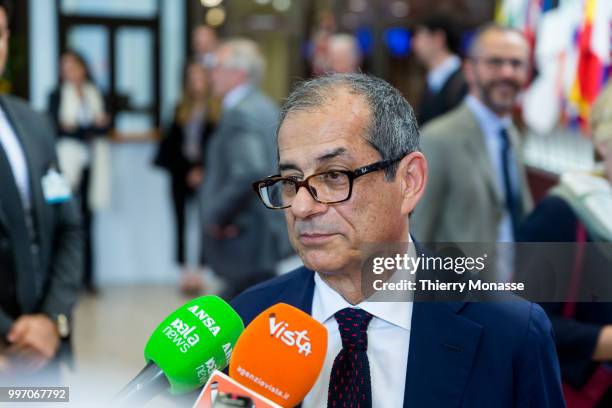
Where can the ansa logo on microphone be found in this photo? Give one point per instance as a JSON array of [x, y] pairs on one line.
[[291, 338], [183, 336]]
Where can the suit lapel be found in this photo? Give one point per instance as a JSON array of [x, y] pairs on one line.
[[443, 345], [9, 200], [301, 294], [36, 166], [442, 348], [11, 203], [3, 220], [525, 193], [477, 149]]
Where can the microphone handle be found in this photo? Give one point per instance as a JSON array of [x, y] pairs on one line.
[[147, 384]]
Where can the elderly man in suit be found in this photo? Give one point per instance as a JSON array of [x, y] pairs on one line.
[[40, 238], [350, 172], [241, 241], [478, 190]]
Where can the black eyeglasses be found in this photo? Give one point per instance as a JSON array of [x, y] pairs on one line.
[[328, 187]]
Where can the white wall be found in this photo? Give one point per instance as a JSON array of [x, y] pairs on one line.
[[43, 38], [133, 237], [172, 54], [43, 51]]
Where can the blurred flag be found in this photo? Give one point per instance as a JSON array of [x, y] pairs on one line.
[[573, 61], [524, 15], [593, 45]]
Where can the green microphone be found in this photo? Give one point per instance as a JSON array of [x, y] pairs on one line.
[[185, 349]]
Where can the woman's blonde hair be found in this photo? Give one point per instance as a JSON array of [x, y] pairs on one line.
[[188, 100]]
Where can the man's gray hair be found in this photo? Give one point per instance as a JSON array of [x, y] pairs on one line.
[[393, 129], [244, 54]]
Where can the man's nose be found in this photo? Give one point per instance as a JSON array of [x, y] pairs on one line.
[[508, 70], [304, 205]]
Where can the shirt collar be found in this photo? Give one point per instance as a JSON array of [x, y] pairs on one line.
[[438, 76], [326, 302], [235, 96], [486, 118]]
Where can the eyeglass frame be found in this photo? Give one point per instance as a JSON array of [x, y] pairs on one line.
[[352, 175], [497, 63]]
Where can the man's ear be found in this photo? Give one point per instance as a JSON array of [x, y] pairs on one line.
[[412, 171]]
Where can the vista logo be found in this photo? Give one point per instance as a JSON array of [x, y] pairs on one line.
[[290, 337], [182, 335]]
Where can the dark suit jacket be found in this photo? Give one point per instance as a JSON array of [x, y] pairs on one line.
[[463, 201], [48, 271], [553, 220], [461, 354], [448, 97]]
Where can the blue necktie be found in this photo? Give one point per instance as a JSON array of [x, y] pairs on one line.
[[349, 383], [513, 202]]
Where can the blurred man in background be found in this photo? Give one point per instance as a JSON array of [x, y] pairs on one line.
[[242, 242], [343, 54], [204, 42], [436, 45], [478, 190], [40, 239]]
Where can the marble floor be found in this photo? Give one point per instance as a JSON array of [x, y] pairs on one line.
[[110, 333]]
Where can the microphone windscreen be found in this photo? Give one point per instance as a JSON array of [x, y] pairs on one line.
[[193, 341], [280, 354]]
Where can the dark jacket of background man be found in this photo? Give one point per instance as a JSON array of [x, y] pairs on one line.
[[436, 45]]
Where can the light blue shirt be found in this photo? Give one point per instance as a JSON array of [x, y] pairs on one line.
[[235, 96], [388, 342], [491, 125], [438, 76]]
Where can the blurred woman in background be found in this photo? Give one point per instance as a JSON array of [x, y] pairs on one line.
[[77, 107], [579, 210], [181, 153]]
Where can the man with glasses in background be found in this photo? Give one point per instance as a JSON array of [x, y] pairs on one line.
[[478, 189], [350, 173]]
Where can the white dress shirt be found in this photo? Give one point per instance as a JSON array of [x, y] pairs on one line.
[[16, 157], [436, 78], [491, 126], [388, 342]]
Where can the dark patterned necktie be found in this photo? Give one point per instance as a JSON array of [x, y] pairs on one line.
[[349, 383], [513, 200]]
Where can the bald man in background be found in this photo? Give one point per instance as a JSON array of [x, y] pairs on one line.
[[343, 54]]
